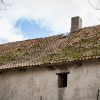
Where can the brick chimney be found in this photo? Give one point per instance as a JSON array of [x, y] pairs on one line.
[[76, 23]]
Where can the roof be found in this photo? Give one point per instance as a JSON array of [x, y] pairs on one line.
[[80, 45]]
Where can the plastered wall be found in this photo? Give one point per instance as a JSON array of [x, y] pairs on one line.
[[41, 84]]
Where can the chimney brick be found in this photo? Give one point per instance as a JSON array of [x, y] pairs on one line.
[[76, 23]]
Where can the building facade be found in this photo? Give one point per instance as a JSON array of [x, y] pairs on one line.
[[62, 67]]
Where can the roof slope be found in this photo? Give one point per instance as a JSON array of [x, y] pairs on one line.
[[80, 45]]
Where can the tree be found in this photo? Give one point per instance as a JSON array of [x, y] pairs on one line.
[[95, 4], [3, 4]]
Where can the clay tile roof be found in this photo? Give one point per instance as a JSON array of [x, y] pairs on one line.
[[80, 45]]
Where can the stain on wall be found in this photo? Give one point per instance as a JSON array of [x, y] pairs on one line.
[[60, 93]]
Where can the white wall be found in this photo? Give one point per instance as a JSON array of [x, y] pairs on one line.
[[84, 82], [28, 85], [41, 84]]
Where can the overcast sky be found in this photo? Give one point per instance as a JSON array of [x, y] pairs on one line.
[[26, 19]]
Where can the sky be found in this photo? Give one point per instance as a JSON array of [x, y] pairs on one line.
[[29, 19]]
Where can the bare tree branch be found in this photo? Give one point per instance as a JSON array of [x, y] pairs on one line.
[[3, 5], [96, 8], [3, 2]]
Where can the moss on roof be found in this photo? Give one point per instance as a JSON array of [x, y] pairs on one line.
[[79, 45]]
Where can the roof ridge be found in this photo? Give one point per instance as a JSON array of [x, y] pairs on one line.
[[8, 43], [61, 34]]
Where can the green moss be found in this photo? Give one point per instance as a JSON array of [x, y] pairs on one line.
[[48, 58], [6, 57]]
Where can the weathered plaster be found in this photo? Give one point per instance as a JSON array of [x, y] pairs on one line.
[[28, 85], [83, 82], [41, 84]]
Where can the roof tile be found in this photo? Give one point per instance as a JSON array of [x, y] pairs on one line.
[[80, 45]]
